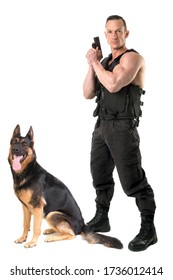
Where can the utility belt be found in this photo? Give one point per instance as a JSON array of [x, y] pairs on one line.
[[125, 104], [133, 123]]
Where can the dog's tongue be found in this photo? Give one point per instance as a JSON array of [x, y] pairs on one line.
[[16, 163]]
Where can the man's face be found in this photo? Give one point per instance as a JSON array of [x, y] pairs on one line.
[[116, 34]]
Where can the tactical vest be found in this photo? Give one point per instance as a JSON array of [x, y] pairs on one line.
[[124, 104]]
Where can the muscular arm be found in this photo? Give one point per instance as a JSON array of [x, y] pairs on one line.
[[129, 70], [89, 84], [89, 90]]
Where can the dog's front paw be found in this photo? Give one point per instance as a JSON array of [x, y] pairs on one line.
[[21, 239], [30, 244]]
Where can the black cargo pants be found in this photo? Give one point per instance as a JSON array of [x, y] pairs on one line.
[[115, 143]]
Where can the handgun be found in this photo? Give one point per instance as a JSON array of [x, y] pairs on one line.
[[96, 43]]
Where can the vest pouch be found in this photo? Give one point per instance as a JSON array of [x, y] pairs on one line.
[[135, 96], [116, 103]]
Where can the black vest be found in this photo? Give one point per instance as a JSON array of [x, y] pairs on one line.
[[124, 104]]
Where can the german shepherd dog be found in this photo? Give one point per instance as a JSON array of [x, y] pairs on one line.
[[45, 196]]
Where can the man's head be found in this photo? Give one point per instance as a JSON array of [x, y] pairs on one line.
[[116, 31]]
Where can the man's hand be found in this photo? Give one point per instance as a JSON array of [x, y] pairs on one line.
[[93, 55]]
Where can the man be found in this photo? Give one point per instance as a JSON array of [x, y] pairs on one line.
[[117, 82]]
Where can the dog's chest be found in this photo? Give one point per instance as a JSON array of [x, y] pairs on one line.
[[25, 197]]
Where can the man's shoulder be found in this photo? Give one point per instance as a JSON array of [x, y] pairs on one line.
[[132, 54], [130, 50]]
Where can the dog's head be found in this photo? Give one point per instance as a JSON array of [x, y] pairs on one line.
[[21, 151]]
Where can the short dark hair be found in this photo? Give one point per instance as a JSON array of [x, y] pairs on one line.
[[116, 17]]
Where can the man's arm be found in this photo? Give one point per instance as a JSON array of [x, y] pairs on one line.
[[89, 90], [129, 70], [89, 84]]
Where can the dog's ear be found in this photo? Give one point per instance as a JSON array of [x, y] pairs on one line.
[[30, 133], [16, 132]]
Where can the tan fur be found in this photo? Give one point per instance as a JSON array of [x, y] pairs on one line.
[[90, 238], [28, 210], [62, 231], [27, 160]]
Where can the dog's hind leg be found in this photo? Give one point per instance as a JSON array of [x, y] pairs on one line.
[[60, 226], [49, 231], [49, 220]]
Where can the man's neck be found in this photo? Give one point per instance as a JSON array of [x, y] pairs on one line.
[[119, 51]]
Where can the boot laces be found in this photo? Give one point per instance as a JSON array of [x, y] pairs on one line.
[[96, 217], [144, 231]]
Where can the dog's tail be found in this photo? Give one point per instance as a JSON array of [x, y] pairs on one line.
[[97, 238]]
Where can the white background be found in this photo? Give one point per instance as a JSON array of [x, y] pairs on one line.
[[42, 67]]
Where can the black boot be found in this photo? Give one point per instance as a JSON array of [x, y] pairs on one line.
[[100, 222], [146, 237]]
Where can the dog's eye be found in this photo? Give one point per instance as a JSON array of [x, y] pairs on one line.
[[13, 141], [24, 144]]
